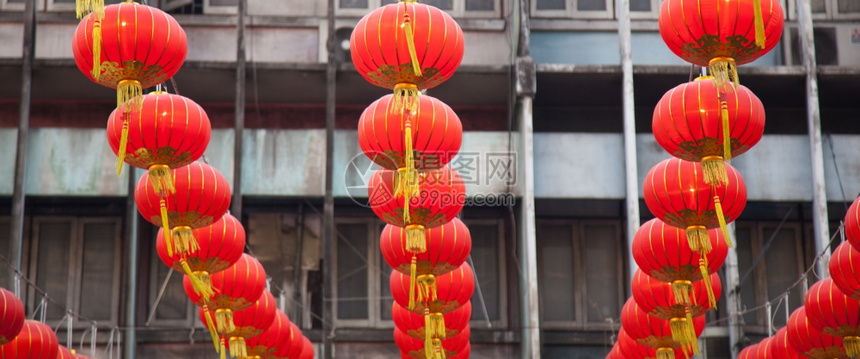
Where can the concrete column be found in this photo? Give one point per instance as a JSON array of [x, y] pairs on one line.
[[733, 298], [530, 311], [630, 170]]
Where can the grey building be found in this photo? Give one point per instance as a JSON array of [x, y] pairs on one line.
[[556, 99]]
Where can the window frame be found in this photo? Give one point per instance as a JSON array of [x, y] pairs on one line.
[[503, 280], [209, 9], [73, 298], [570, 11], [654, 14], [155, 284], [5, 5], [581, 291], [458, 10], [374, 286]]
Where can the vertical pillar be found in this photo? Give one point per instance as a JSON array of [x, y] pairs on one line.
[[328, 207], [733, 299], [16, 238], [630, 171], [131, 261], [819, 194], [239, 125]]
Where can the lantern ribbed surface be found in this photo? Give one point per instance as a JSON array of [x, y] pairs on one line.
[[35, 341]]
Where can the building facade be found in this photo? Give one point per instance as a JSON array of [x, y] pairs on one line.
[[557, 139]]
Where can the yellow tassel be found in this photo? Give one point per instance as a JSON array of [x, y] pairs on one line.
[[223, 350], [224, 321], [129, 96], [665, 353], [681, 329], [210, 324], [852, 346], [727, 131], [161, 179], [724, 71], [682, 290], [97, 49], [416, 238], [722, 219], [435, 325], [238, 349], [706, 280], [183, 239], [123, 145], [165, 224], [438, 351], [426, 288], [200, 287], [759, 24], [410, 42], [413, 283], [698, 239], [429, 353], [84, 7], [714, 169], [405, 99]]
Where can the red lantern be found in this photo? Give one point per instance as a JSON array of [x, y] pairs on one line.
[[296, 347], [657, 299], [236, 288], [655, 332], [689, 123], [35, 341], [202, 197], [628, 348], [676, 192], [834, 313], [249, 323], [307, 349], [11, 316], [170, 131], [764, 348], [406, 47], [277, 335], [781, 348], [721, 34], [811, 342], [663, 252], [448, 246], [440, 294], [220, 245], [441, 197], [64, 353], [845, 268], [852, 224], [132, 47], [419, 348], [748, 352], [415, 324]]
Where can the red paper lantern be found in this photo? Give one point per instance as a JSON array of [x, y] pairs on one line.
[[170, 131], [628, 348], [220, 245], [834, 313], [748, 352], [132, 47], [414, 324], [448, 246], [307, 349], [419, 348], [296, 347], [663, 252], [35, 341], [406, 47], [764, 349], [202, 196], [781, 348], [12, 316], [689, 123], [236, 288], [811, 342], [721, 34], [845, 268], [64, 353], [276, 336], [852, 224], [676, 192], [657, 299], [655, 332], [452, 290], [249, 323]]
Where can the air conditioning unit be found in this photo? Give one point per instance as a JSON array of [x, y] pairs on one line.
[[833, 46]]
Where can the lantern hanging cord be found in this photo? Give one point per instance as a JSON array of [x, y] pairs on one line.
[[829, 138], [764, 249]]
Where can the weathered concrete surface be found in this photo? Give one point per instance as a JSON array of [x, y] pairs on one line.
[[579, 165]]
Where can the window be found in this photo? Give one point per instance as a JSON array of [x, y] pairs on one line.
[[66, 5], [779, 268], [4, 250], [77, 262], [361, 275], [18, 5], [456, 8], [486, 255], [589, 9], [828, 9], [580, 273]]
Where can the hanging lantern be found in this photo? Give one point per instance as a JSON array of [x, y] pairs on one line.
[[764, 349], [676, 192], [307, 349], [695, 123], [663, 252], [66, 353], [170, 131], [657, 299], [441, 197], [440, 294], [433, 349], [628, 348], [845, 269], [655, 332], [35, 341], [721, 34], [236, 288], [781, 348], [852, 224], [463, 354], [415, 324], [202, 196], [748, 352], [834, 313], [219, 246], [811, 342], [131, 48], [406, 47], [277, 335], [12, 316], [295, 349], [249, 323]]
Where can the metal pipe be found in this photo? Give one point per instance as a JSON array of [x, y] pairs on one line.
[[16, 239], [131, 261], [733, 299], [239, 126], [819, 197], [297, 265], [630, 165], [328, 206], [530, 305]]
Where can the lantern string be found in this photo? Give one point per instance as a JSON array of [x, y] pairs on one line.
[[829, 138], [764, 249]]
